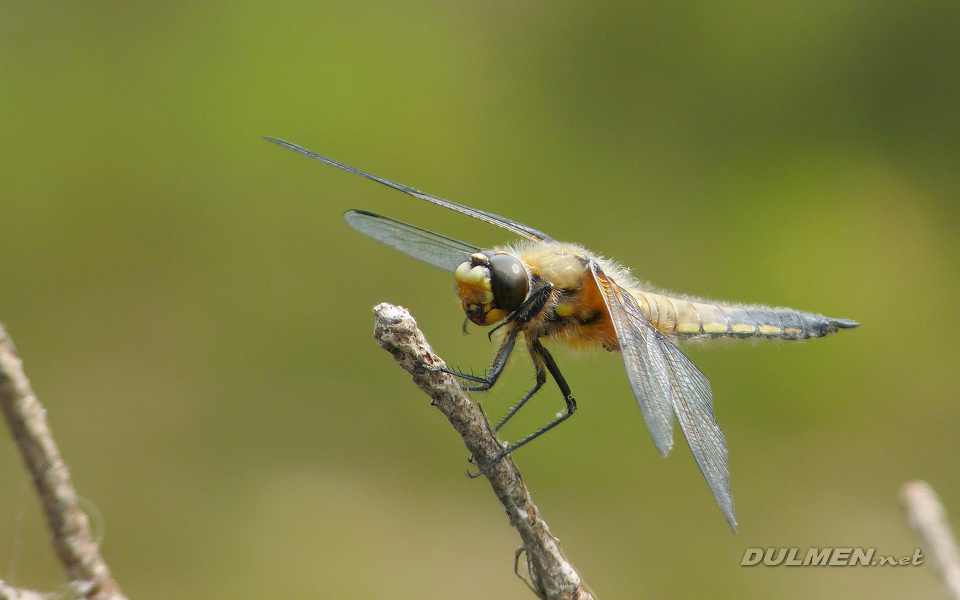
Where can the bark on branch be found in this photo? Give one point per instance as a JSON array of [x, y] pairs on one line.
[[72, 539], [552, 576]]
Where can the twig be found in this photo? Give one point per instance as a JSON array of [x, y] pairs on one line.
[[552, 576], [70, 527], [12, 593], [928, 518]]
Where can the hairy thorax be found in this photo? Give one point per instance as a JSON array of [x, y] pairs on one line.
[[576, 313]]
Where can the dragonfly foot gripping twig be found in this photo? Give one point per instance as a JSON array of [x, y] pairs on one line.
[[553, 577]]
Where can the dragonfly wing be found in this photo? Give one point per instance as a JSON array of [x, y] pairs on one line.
[[665, 382], [647, 369], [502, 222], [692, 401], [431, 248]]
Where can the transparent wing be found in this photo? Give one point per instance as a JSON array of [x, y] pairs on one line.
[[421, 244], [692, 401], [503, 222], [665, 382], [647, 370]]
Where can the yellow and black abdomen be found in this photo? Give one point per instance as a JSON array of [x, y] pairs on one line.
[[688, 319]]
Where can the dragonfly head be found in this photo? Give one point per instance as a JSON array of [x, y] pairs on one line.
[[491, 285]]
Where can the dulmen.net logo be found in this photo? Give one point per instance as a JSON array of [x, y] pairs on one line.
[[826, 557]]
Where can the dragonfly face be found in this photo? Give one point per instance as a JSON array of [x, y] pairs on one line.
[[491, 285], [547, 290]]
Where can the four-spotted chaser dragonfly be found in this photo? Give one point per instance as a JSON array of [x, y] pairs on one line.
[[542, 289]]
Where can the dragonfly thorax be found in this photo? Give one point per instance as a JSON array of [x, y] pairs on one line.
[[491, 285]]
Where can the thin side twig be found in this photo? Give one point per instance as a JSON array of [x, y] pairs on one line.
[[72, 539], [926, 515], [553, 577]]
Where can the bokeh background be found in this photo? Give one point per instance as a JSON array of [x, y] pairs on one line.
[[195, 315]]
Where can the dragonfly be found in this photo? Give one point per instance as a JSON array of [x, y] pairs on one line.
[[541, 289]]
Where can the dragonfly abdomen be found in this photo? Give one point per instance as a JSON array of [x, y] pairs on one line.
[[691, 319]]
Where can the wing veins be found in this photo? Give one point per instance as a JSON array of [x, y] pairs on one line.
[[694, 408], [432, 248], [649, 358], [646, 370], [502, 222]]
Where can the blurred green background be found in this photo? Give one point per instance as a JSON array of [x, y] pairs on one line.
[[195, 315]]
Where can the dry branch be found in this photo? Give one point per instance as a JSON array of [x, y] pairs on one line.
[[69, 525], [926, 515], [552, 576], [12, 593]]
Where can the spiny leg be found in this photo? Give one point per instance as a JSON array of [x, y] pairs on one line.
[[496, 368], [571, 404], [539, 354], [541, 379]]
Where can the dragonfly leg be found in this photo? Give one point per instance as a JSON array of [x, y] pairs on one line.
[[496, 368], [540, 355], [541, 379], [530, 308]]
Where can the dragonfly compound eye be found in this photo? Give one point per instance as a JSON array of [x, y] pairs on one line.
[[509, 281]]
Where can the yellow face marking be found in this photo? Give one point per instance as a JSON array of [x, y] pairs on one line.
[[473, 276], [494, 316]]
